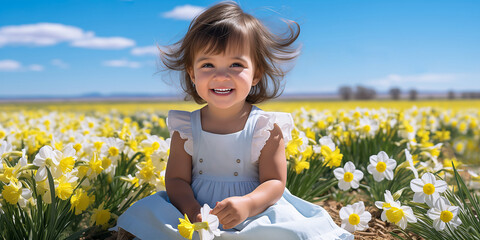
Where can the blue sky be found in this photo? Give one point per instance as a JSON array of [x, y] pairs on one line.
[[84, 46]]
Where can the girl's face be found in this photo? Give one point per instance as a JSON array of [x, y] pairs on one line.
[[223, 80]]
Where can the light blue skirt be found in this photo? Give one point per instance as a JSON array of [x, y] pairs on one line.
[[154, 217]]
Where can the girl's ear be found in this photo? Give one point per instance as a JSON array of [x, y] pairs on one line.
[[191, 74], [256, 78]]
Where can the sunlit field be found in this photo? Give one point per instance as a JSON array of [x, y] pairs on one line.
[[69, 170]]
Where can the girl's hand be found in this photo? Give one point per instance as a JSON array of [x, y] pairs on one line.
[[232, 211]]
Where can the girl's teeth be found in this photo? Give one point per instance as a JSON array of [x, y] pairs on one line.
[[222, 91]]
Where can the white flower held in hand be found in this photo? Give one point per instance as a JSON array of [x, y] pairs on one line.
[[212, 223], [427, 189], [381, 166], [354, 217], [348, 176], [443, 213]]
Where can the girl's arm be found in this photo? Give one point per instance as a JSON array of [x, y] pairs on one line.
[[272, 175], [178, 177]]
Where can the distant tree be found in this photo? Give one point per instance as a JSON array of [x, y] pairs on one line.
[[413, 94], [451, 95], [364, 93], [345, 92], [395, 93]]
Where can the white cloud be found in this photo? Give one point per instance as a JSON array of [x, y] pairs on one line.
[[427, 80], [185, 12], [148, 50], [15, 66], [104, 43], [40, 34], [9, 65], [122, 63], [59, 63], [35, 67], [47, 34]]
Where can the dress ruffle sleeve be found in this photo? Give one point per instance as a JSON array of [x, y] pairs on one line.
[[265, 124], [180, 121]]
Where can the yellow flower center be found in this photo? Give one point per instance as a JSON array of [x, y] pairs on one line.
[[113, 151], [77, 147], [348, 177], [354, 219], [64, 190], [11, 193], [386, 205], [428, 189], [155, 145], [381, 166], [446, 216], [366, 128], [300, 166], [395, 214], [102, 217], [98, 145], [67, 164]]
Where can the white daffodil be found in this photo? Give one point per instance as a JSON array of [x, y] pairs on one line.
[[46, 157], [442, 214], [354, 217], [212, 224], [394, 212], [348, 176], [5, 148], [388, 201], [410, 162], [427, 189], [381, 166], [113, 147]]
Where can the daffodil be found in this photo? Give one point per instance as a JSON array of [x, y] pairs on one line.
[[186, 228], [14, 193], [443, 214], [332, 156], [80, 201], [100, 216], [410, 162], [46, 157], [381, 166], [211, 230], [354, 217], [348, 176], [427, 189], [5, 148], [396, 213], [207, 229]]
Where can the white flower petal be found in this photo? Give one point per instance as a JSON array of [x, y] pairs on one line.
[[371, 168], [349, 167], [417, 185], [343, 185], [358, 175], [382, 156], [440, 186], [339, 173], [419, 197], [373, 160], [388, 174], [428, 178]]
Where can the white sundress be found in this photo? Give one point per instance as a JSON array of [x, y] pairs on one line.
[[226, 165]]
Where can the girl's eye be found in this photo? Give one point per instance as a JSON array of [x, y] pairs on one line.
[[237, 65], [207, 65]]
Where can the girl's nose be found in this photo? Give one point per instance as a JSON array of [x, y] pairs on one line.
[[222, 74]]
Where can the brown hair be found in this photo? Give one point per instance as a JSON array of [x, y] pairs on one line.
[[226, 23]]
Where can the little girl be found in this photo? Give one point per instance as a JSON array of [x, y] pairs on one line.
[[230, 154]]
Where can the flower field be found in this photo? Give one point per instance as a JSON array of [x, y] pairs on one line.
[[69, 170]]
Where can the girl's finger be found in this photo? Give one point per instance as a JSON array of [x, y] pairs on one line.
[[230, 224], [218, 207]]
